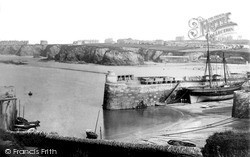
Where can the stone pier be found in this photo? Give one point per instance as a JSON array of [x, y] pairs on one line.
[[129, 92], [241, 104], [8, 111]]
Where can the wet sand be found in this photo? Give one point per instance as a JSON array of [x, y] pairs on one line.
[[202, 120]]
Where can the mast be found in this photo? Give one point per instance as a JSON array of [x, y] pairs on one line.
[[224, 68], [208, 63]]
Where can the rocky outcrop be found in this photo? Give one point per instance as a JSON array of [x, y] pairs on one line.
[[9, 49], [30, 50], [152, 55], [51, 51], [146, 54], [116, 57], [157, 55], [98, 55]]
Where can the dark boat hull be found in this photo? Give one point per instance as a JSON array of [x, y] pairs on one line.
[[212, 94]]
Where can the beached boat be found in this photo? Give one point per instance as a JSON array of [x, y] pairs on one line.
[[90, 134], [214, 91], [201, 94], [23, 124]]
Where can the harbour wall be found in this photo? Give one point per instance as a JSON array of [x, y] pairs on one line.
[[8, 111], [122, 96], [241, 104], [127, 92]]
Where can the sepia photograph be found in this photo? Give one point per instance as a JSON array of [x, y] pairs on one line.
[[127, 78]]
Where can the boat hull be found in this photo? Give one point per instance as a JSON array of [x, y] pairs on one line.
[[196, 99], [217, 94]]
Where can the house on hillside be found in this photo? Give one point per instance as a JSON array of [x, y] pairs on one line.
[[159, 42], [128, 41], [109, 41], [43, 42], [14, 42], [81, 42]]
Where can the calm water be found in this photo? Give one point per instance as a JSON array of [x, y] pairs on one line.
[[68, 102]]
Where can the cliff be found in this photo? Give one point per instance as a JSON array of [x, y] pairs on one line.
[[9, 49], [51, 51], [110, 54], [30, 50], [21, 50], [98, 55]]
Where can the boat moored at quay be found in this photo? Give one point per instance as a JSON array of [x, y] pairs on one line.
[[133, 92]]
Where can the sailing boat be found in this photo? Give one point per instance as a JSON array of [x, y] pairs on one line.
[[213, 91]]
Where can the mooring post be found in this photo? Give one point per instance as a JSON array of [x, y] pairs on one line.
[[100, 132]]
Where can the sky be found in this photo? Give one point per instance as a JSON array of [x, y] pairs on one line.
[[65, 21]]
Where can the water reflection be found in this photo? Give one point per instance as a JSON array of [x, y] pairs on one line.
[[121, 123]]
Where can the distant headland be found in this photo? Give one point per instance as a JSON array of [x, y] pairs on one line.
[[130, 51]]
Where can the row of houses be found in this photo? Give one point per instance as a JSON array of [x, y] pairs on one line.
[[179, 42], [23, 42], [14, 42], [81, 42], [143, 42]]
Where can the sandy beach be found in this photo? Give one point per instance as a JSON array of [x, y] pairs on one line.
[[200, 120]]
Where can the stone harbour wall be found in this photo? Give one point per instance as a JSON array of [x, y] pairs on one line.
[[126, 96], [241, 104], [8, 111]]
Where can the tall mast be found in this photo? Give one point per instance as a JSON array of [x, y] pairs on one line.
[[208, 64], [224, 67]]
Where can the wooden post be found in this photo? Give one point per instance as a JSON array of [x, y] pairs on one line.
[[97, 121], [2, 119], [100, 132]]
